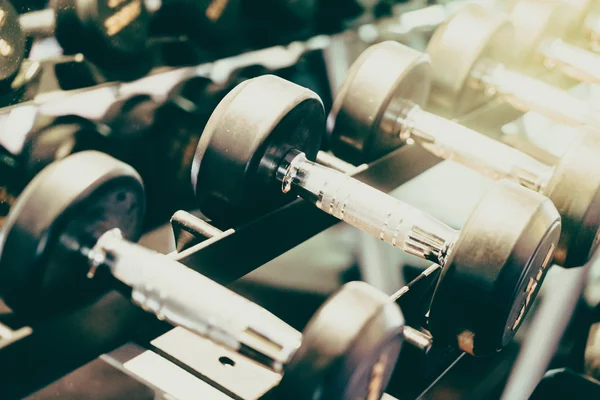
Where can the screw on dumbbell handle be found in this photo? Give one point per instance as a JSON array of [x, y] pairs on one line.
[[574, 62], [38, 23], [366, 208], [529, 94], [450, 140], [185, 298]]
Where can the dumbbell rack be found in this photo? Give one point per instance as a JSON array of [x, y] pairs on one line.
[[229, 257]]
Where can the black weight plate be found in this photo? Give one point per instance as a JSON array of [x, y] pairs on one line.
[[196, 95], [244, 141], [282, 12], [242, 74], [63, 137], [70, 204], [349, 348], [108, 32], [495, 269], [12, 45], [386, 79], [212, 23], [72, 75], [575, 191]]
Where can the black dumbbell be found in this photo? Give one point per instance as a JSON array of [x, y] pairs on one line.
[[485, 41], [76, 218], [584, 23], [293, 13], [157, 137], [215, 25], [541, 43], [379, 109], [271, 22], [46, 140], [257, 147], [111, 34]]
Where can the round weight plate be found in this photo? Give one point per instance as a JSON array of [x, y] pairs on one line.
[[108, 32], [67, 206], [244, 141], [386, 79], [12, 45], [472, 34], [211, 23], [534, 21], [190, 93], [575, 191], [495, 269], [57, 140], [289, 13], [349, 348], [297, 10]]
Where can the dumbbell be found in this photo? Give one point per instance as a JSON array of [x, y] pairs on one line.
[[112, 34], [213, 24], [157, 137], [267, 17], [540, 27], [379, 108], [257, 147], [469, 52], [48, 139], [76, 219]]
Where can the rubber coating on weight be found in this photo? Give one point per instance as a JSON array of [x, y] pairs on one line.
[[109, 36], [349, 348], [534, 21], [69, 204], [575, 191], [472, 34], [244, 141], [495, 269], [12, 49], [384, 80]]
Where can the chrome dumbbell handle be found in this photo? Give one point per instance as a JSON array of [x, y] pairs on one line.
[[573, 61], [530, 94], [450, 140], [185, 298], [38, 23], [366, 208]]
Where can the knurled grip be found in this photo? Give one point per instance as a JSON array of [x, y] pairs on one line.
[[450, 140], [368, 209], [529, 94], [180, 295]]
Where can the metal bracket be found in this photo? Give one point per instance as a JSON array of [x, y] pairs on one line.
[[8, 336]]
